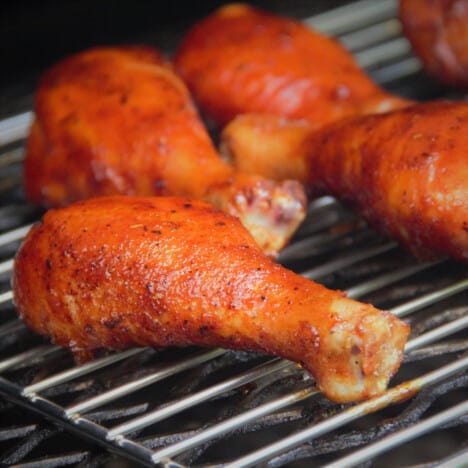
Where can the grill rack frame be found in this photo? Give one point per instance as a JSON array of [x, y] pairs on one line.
[[353, 31]]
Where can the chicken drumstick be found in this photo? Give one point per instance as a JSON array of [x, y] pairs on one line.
[[405, 171], [438, 32], [241, 59], [116, 272], [117, 120]]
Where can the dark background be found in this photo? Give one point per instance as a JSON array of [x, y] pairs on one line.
[[35, 34]]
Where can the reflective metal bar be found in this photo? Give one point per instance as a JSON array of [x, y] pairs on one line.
[[118, 392], [367, 37], [388, 278], [62, 460], [310, 245], [14, 235], [394, 395], [352, 16], [6, 296], [382, 53], [6, 266], [75, 372], [11, 327], [271, 366], [321, 203], [438, 333], [32, 354], [401, 69], [431, 298], [11, 157], [347, 260], [458, 460], [233, 423], [402, 437], [15, 128]]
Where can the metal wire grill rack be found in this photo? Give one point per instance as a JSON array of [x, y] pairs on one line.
[[216, 407]]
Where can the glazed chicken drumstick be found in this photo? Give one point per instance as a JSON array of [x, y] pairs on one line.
[[405, 171], [438, 32], [241, 59], [117, 120], [115, 272]]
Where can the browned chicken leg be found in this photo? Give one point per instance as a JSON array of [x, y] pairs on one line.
[[405, 171], [241, 59], [120, 271], [438, 32], [118, 120]]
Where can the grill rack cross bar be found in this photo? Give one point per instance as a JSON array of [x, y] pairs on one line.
[[394, 395], [233, 423], [353, 16], [79, 371], [398, 438], [106, 397], [272, 366]]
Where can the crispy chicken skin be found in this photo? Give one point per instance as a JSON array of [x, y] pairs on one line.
[[117, 120], [241, 59], [438, 32], [115, 272], [405, 171]]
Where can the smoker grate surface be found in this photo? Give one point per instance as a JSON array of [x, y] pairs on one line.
[[217, 407]]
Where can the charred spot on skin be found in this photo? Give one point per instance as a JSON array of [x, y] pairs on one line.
[[156, 231], [48, 264], [88, 328], [355, 350], [112, 323], [149, 287], [263, 298], [187, 205], [159, 184], [242, 66], [123, 99], [203, 330], [220, 223]]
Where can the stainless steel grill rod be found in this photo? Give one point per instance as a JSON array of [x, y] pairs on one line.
[[14, 235], [29, 355], [429, 299], [352, 16], [81, 370], [393, 395], [401, 437], [6, 296], [269, 367], [232, 423], [14, 128], [387, 278], [166, 371]]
